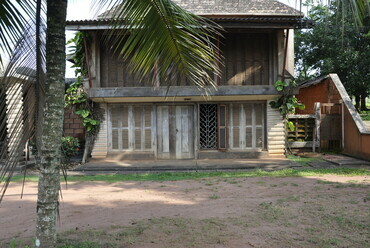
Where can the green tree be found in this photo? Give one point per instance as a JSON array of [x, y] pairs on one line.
[[185, 45], [336, 44]]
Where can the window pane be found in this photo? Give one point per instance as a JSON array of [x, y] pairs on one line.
[[248, 137], [115, 139], [259, 110], [259, 137]]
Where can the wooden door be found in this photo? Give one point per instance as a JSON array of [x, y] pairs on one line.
[[331, 127], [175, 130]]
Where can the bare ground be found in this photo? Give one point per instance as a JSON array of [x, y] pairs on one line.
[[329, 211]]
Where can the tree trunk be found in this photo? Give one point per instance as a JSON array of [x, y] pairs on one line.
[[357, 100], [89, 142], [49, 184], [363, 102]]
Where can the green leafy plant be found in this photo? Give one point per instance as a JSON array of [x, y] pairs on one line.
[[287, 102], [75, 94], [76, 97], [70, 146]]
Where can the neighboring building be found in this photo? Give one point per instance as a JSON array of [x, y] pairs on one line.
[[340, 127], [236, 120]]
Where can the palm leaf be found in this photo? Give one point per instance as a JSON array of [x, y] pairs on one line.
[[159, 36], [13, 18], [21, 96]]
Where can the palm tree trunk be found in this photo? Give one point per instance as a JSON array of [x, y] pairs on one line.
[[49, 184]]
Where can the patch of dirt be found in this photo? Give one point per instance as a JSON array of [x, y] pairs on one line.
[[328, 211]]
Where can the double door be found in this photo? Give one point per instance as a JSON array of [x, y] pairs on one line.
[[175, 132]]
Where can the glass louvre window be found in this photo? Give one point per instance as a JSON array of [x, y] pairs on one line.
[[246, 121], [131, 128]]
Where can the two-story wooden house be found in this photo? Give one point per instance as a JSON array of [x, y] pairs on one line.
[[235, 120]]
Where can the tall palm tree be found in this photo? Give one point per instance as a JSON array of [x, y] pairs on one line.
[[52, 126]]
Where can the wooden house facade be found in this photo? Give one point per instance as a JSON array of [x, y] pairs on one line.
[[146, 121]]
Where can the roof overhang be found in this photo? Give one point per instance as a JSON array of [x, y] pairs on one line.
[[229, 21]]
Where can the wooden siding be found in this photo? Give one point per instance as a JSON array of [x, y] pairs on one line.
[[172, 131], [275, 132], [115, 72], [247, 59], [100, 149]]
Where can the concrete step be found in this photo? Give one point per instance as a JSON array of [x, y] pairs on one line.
[[342, 160]]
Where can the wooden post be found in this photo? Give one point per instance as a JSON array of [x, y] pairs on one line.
[[317, 111]]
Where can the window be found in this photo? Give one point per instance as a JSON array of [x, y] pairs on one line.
[[131, 127], [246, 125]]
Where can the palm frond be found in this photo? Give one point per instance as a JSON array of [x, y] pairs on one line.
[[355, 10], [14, 17], [159, 34], [20, 99]]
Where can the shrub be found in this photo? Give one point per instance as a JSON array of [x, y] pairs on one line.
[[70, 147]]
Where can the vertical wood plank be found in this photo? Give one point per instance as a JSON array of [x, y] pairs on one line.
[[231, 124], [154, 130], [131, 128], [172, 131], [178, 131], [242, 127], [109, 128], [222, 126], [253, 126], [196, 130]]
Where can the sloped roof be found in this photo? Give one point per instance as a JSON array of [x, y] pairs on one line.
[[230, 8]]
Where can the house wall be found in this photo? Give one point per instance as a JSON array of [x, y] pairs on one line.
[[106, 142], [324, 92], [356, 144], [100, 149], [250, 58], [73, 125], [275, 131], [15, 116]]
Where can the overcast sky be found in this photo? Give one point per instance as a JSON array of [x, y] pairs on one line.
[[82, 9]]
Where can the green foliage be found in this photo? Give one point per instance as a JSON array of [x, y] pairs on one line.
[[70, 146], [287, 102], [336, 44], [365, 115], [77, 51], [75, 96]]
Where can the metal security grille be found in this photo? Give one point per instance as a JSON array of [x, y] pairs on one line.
[[208, 126]]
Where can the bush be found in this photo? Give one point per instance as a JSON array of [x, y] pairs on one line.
[[70, 147]]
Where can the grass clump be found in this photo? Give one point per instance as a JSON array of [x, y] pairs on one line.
[[304, 161]]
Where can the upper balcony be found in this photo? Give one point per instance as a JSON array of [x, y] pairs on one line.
[[252, 62]]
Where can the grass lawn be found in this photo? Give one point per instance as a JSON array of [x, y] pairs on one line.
[[174, 176], [365, 115]]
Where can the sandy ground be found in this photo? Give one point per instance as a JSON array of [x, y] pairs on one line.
[[234, 212]]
